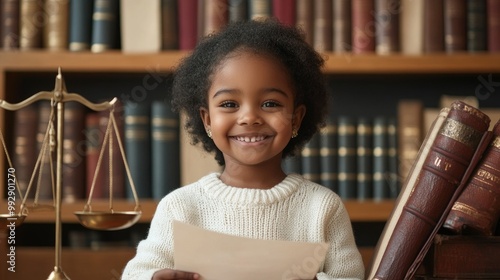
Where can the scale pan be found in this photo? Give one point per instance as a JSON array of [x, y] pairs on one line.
[[7, 219], [107, 220]]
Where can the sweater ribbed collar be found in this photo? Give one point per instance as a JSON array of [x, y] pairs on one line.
[[218, 190]]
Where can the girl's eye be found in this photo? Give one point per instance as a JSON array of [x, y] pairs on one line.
[[270, 104], [228, 104]]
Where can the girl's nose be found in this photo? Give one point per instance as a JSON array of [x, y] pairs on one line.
[[249, 115]]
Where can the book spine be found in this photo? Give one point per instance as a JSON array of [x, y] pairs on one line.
[[364, 153], [238, 10], [55, 29], [433, 26], [341, 26], [292, 164], [138, 147], [441, 172], [165, 148], [477, 210], [10, 24], [493, 22], [29, 28], [363, 27], [259, 9], [328, 153], [392, 158], [455, 22], [311, 161], [188, 24], [476, 25], [284, 11], [105, 25], [216, 15], [42, 187], [169, 25], [73, 165], [412, 27], [322, 26], [304, 18], [346, 139], [380, 159], [80, 24], [25, 143], [387, 27]]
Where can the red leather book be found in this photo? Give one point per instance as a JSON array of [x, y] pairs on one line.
[[433, 26], [493, 18], [169, 26], [455, 25], [477, 210], [188, 31], [363, 27], [446, 158], [284, 11], [341, 26]]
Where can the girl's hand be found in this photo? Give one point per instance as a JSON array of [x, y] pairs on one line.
[[171, 274]]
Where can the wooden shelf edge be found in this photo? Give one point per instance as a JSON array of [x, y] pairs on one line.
[[359, 211], [348, 63]]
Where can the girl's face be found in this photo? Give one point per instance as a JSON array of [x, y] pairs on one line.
[[251, 111]]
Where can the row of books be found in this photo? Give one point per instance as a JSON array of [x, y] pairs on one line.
[[149, 133], [357, 26], [354, 156]]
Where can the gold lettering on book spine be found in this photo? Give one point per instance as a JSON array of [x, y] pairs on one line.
[[486, 177], [461, 133], [496, 143], [466, 209]]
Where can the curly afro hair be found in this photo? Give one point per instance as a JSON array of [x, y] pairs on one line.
[[193, 77]]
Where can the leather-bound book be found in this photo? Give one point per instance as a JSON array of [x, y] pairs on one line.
[[80, 24], [387, 27], [311, 160], [328, 152], [341, 26], [412, 26], [30, 31], [433, 26], [216, 15], [165, 156], [284, 11], [346, 140], [188, 24], [392, 158], [477, 209], [380, 159], [493, 23], [476, 25], [238, 10], [55, 28], [445, 160], [305, 18], [455, 25], [9, 28], [259, 9], [105, 25], [322, 26], [364, 158], [363, 37], [169, 25]]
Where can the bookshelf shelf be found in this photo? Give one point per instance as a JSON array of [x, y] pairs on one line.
[[366, 211], [116, 61]]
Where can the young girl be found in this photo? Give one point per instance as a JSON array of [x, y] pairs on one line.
[[253, 94]]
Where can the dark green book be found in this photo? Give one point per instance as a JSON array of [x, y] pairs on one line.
[[105, 25], [238, 10], [80, 24], [328, 152], [165, 146], [364, 135], [138, 147], [392, 158], [476, 25], [311, 161], [292, 164], [380, 159], [346, 137]]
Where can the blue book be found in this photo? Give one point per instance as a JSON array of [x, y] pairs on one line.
[[80, 24]]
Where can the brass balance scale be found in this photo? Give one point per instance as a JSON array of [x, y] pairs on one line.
[[97, 220]]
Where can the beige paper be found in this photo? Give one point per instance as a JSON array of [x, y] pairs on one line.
[[217, 256]]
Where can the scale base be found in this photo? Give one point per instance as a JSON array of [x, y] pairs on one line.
[[58, 274]]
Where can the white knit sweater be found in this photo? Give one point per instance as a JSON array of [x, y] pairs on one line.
[[294, 210]]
